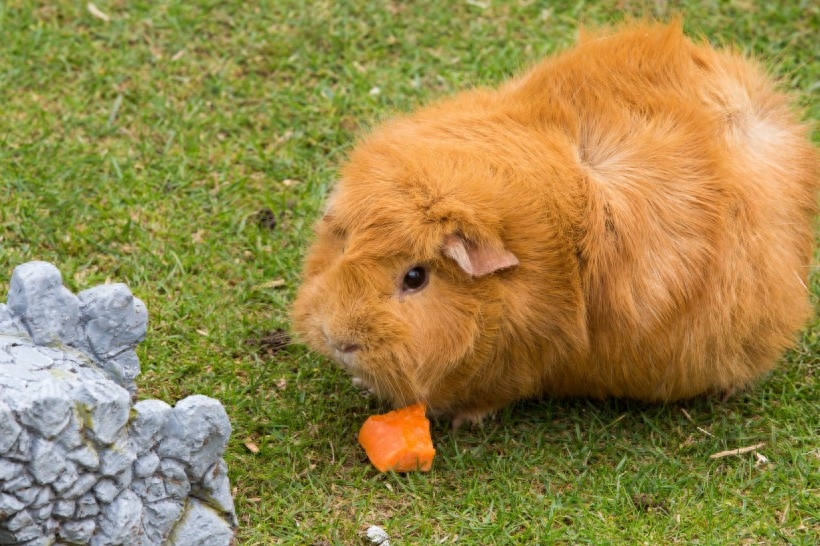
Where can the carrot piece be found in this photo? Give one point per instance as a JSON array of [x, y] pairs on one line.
[[399, 440]]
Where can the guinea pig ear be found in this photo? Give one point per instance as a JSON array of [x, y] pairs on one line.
[[478, 260]]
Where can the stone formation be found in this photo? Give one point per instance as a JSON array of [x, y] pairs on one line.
[[80, 462]]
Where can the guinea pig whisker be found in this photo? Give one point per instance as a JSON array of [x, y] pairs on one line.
[[796, 274]]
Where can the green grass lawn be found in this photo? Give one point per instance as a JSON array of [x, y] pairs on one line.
[[184, 148]]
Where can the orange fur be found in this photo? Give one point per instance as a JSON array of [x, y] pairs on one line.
[[647, 203]]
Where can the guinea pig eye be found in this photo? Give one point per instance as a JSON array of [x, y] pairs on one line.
[[415, 279]]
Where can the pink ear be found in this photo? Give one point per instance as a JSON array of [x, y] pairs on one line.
[[478, 260]]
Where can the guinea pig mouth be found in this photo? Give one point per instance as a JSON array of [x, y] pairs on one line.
[[345, 357], [343, 352]]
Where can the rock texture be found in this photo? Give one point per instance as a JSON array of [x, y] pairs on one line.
[[79, 462]]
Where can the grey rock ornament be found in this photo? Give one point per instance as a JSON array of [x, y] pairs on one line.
[[80, 462]]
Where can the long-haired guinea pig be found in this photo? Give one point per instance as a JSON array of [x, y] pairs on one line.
[[630, 218]]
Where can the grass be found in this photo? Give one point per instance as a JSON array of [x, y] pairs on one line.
[[159, 148]]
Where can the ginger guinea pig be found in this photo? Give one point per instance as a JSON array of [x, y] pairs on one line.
[[630, 218]]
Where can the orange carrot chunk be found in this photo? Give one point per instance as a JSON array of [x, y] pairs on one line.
[[399, 440]]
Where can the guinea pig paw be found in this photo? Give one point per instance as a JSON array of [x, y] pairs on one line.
[[724, 394], [359, 383], [727, 394], [473, 418]]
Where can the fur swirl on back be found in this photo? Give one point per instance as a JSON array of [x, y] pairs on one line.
[[630, 218]]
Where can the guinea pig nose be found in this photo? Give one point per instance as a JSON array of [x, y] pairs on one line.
[[343, 347]]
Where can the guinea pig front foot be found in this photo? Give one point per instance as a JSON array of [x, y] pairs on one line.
[[726, 394], [473, 418], [360, 384]]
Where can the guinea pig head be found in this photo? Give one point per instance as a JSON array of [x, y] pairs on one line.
[[402, 286]]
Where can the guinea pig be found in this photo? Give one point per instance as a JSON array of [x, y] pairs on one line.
[[630, 218]]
